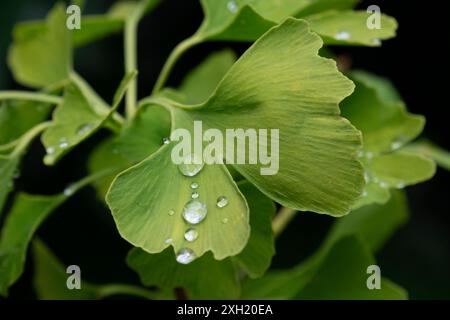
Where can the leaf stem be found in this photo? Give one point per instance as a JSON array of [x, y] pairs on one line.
[[177, 52], [25, 140], [124, 289], [282, 219], [29, 96]]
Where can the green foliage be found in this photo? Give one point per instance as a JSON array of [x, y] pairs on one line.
[[345, 146]]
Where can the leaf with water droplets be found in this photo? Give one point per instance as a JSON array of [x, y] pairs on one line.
[[158, 187], [277, 70], [26, 215], [42, 57], [203, 278], [77, 118], [350, 28]]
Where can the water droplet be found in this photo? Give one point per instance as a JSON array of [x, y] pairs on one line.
[[194, 212], [84, 129], [366, 177], [222, 202], [68, 191], [384, 185], [396, 145], [191, 165], [168, 240], [360, 154], [369, 155], [194, 185], [364, 194], [342, 35], [185, 256], [225, 220], [50, 150], [166, 140], [191, 235], [232, 6], [171, 212], [63, 143], [376, 41], [194, 195], [400, 185]]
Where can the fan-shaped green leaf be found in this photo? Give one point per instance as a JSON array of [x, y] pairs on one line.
[[204, 278], [77, 118], [42, 56], [272, 87], [22, 222]]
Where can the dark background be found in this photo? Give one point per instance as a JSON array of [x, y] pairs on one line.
[[82, 231]]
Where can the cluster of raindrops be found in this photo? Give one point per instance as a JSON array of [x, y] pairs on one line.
[[194, 211]]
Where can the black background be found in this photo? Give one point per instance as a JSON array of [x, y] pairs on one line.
[[82, 231]]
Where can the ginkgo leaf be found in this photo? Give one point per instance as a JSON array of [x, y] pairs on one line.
[[27, 213], [42, 56], [374, 224], [432, 151], [247, 20], [204, 278], [77, 118], [350, 27], [256, 257], [201, 82], [272, 86], [385, 125], [339, 273], [147, 202], [377, 110]]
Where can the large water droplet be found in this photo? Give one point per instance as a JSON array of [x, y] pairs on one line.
[[84, 129], [191, 165], [232, 6], [222, 202], [166, 140], [171, 212], [342, 35], [168, 241], [194, 185], [194, 195], [194, 212], [191, 235], [69, 190], [186, 256]]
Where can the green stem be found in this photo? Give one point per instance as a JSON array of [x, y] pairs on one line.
[[25, 140], [171, 61], [30, 96], [131, 64], [124, 289], [282, 219]]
